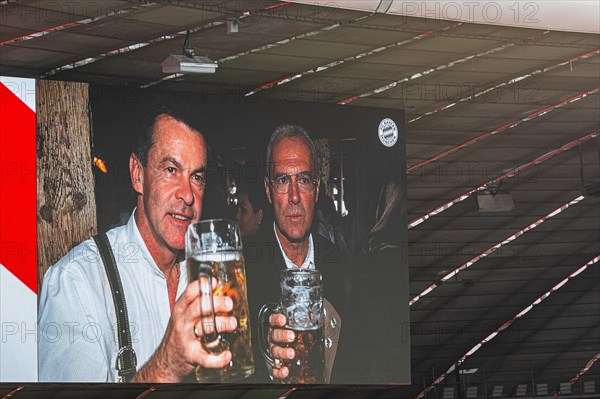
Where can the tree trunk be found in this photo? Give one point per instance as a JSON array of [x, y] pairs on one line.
[[66, 205]]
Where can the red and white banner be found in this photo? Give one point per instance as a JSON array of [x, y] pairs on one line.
[[18, 260]]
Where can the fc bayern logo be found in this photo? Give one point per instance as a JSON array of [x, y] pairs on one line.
[[388, 132]]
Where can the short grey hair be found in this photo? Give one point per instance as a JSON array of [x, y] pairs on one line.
[[291, 132]]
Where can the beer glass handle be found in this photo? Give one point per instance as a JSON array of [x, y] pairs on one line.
[[263, 336], [210, 339]]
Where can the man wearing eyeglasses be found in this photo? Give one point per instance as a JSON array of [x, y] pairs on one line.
[[292, 187]]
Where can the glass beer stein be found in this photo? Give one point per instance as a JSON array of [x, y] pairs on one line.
[[301, 302], [214, 250]]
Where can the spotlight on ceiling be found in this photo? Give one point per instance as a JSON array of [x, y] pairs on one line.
[[233, 26], [495, 203], [184, 64], [468, 371], [189, 62], [491, 200]]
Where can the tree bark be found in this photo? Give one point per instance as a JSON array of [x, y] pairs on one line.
[[66, 205]]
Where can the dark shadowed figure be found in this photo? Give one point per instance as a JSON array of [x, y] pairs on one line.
[[372, 340]]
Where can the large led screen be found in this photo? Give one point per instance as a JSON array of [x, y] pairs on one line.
[[304, 189]]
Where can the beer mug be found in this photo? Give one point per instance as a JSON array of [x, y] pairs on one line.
[[301, 302], [214, 251]]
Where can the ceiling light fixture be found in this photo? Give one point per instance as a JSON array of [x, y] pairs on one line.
[[189, 62], [491, 200], [233, 26]]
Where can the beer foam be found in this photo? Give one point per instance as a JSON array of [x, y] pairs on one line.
[[218, 257]]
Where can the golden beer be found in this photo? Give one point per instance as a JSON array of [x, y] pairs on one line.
[[308, 366], [227, 268]]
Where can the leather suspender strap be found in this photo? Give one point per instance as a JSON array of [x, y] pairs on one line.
[[126, 358]]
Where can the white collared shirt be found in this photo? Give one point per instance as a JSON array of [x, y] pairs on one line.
[[309, 261], [76, 313]]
